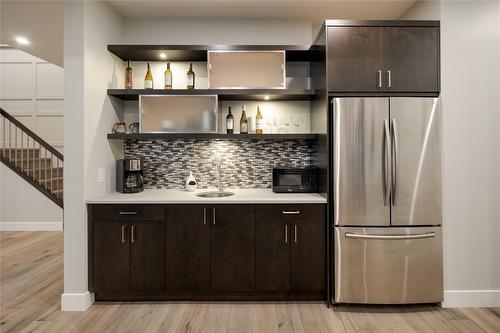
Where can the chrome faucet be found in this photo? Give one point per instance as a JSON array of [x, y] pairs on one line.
[[219, 177]]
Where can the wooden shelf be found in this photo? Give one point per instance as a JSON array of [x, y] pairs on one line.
[[223, 94], [199, 52], [204, 136]]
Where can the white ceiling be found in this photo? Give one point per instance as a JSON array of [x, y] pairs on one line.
[[41, 22], [313, 10]]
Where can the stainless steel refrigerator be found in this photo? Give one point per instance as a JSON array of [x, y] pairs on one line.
[[387, 208]]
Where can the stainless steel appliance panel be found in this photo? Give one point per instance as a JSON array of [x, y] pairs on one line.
[[361, 172], [388, 265], [416, 161]]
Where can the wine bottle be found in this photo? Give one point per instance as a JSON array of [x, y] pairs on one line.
[[230, 122], [168, 77], [148, 80], [259, 122], [243, 121], [128, 76], [190, 77]]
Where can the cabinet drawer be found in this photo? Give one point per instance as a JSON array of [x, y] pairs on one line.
[[290, 211], [129, 212]]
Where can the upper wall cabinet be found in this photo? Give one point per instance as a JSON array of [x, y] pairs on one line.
[[246, 69], [370, 59]]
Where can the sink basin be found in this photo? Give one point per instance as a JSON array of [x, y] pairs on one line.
[[215, 194]]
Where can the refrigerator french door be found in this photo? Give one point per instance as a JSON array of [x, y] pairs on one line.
[[387, 200]]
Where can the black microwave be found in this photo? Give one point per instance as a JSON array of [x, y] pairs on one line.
[[295, 180]]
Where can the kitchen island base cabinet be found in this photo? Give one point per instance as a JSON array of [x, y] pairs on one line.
[[290, 248], [207, 252], [188, 248], [129, 249], [232, 241]]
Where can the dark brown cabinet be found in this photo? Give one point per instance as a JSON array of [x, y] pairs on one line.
[[111, 264], [188, 248], [230, 251], [355, 59], [290, 248], [232, 241], [129, 249], [371, 59], [147, 256], [411, 59]]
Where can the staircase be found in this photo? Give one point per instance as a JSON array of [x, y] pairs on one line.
[[31, 157]]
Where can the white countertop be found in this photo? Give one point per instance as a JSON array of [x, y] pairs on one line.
[[241, 196]]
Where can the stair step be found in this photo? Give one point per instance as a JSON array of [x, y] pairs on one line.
[[33, 163], [52, 183], [11, 152], [42, 175]]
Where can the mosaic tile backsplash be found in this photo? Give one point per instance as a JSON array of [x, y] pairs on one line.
[[245, 163]]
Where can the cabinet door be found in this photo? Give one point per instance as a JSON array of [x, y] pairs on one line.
[[147, 256], [232, 247], [111, 256], [308, 255], [354, 59], [411, 54], [272, 262], [188, 248]]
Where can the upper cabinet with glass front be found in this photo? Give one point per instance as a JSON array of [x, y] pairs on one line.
[[246, 69]]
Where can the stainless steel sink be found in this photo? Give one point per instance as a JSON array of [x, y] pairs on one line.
[[215, 194]]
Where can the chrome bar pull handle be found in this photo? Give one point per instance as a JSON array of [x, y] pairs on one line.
[[379, 79], [295, 232], [290, 212], [204, 215], [132, 234], [124, 232], [123, 212], [286, 233], [389, 79], [213, 210], [386, 148], [390, 237], [395, 155]]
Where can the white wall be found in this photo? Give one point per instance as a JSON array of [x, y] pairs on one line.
[[31, 90], [218, 31], [89, 70], [470, 60]]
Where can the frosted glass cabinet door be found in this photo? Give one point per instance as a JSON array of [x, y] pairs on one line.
[[246, 69], [178, 114]]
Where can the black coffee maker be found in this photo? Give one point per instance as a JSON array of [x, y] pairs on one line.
[[129, 176]]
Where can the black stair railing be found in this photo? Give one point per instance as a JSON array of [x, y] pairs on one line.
[[31, 157]]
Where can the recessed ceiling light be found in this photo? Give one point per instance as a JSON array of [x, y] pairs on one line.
[[266, 97], [22, 40], [163, 56]]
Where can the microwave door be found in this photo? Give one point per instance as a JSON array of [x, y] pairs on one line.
[[416, 172], [361, 172]]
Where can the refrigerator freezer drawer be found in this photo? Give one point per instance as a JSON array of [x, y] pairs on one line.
[[388, 265]]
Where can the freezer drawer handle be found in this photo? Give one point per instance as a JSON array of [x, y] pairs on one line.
[[390, 237]]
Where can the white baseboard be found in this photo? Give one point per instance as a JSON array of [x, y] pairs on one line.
[[76, 302], [31, 226], [471, 298]]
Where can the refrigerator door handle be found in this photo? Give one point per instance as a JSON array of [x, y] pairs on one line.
[[390, 237], [395, 154], [386, 148]]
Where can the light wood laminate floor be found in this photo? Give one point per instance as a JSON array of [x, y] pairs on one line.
[[31, 277]]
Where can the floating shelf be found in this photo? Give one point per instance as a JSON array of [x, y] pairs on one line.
[[201, 136], [199, 52], [223, 94]]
